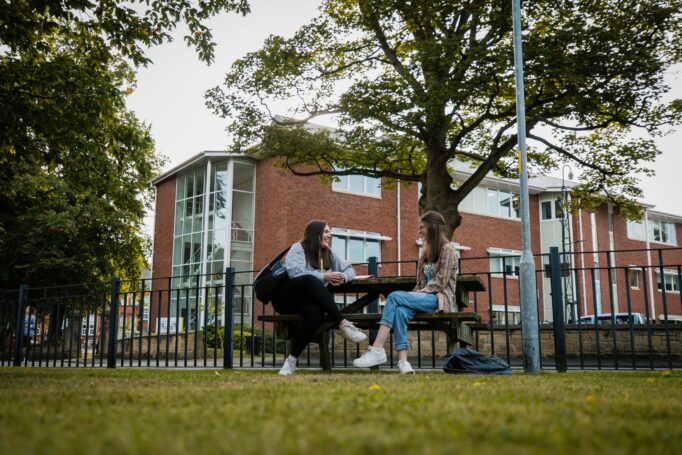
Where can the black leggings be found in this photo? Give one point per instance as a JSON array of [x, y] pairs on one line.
[[307, 296]]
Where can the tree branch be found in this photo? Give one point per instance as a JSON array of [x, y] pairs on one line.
[[574, 157]]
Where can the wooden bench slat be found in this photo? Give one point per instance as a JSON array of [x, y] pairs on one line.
[[462, 316]]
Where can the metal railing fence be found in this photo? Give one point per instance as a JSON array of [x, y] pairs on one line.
[[617, 312]]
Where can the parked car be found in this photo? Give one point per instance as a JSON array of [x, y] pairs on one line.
[[621, 318]]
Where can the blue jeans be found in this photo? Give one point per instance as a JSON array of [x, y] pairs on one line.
[[400, 308]]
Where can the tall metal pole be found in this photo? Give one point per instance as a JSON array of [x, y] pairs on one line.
[[529, 309]]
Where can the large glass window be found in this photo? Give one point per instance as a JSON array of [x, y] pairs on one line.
[[214, 224], [492, 201], [659, 231], [188, 239], [359, 184], [356, 246]]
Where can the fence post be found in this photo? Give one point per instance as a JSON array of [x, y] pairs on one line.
[[113, 321], [228, 340], [19, 334], [557, 310], [373, 307]]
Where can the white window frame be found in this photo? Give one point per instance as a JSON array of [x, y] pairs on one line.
[[343, 185], [675, 281], [88, 326], [634, 271], [513, 311], [477, 202], [637, 230], [365, 236], [511, 255], [555, 204], [665, 229]]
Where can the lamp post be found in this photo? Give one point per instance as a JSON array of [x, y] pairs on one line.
[[527, 285]]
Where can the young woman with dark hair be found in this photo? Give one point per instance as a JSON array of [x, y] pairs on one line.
[[312, 266], [434, 292]]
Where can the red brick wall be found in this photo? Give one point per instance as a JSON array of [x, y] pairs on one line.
[[285, 203], [164, 219]]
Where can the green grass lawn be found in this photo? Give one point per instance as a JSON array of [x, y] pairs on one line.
[[253, 412]]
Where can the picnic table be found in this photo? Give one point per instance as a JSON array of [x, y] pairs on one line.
[[455, 324]]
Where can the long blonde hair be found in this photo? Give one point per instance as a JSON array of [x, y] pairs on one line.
[[434, 238]]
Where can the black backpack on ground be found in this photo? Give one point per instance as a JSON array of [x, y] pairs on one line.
[[465, 360]]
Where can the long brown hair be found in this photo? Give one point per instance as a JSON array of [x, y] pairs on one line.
[[434, 238], [312, 246]]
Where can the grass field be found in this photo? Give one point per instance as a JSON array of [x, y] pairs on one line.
[[238, 412]]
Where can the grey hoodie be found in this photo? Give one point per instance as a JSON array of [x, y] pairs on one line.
[[296, 265]]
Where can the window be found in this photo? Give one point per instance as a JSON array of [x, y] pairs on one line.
[[546, 208], [512, 314], [88, 326], [671, 281], [662, 232], [636, 230], [551, 210], [491, 201], [659, 231], [634, 278], [356, 246], [505, 262], [358, 184], [189, 220]]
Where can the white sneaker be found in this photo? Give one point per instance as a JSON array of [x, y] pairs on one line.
[[289, 366], [371, 358], [352, 333], [404, 367]]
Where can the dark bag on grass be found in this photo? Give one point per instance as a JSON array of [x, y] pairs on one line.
[[465, 360], [268, 280]]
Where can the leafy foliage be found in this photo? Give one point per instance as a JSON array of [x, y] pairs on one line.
[[415, 85], [75, 164]]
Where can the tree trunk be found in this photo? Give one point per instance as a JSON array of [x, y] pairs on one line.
[[437, 193]]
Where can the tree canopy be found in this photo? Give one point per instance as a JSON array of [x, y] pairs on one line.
[[415, 85], [75, 164]]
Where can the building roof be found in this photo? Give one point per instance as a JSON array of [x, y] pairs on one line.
[[197, 159], [536, 184], [545, 183]]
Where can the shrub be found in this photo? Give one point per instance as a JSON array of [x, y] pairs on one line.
[[240, 339]]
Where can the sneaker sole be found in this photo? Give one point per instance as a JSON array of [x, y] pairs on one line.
[[368, 365]]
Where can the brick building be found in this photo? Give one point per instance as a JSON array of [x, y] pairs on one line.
[[219, 209]]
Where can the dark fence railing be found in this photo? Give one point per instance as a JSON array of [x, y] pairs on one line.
[[622, 311]]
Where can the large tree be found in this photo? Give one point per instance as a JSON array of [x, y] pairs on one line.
[[415, 85], [75, 164]]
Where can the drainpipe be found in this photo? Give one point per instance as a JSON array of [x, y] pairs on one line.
[[582, 261], [398, 223], [648, 263]]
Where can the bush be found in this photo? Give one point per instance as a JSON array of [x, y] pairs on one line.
[[240, 339]]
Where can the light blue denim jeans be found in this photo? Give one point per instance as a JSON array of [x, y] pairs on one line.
[[400, 308]]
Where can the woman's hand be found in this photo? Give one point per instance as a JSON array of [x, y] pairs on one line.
[[334, 278]]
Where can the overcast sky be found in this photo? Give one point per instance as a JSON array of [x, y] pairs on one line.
[[170, 93]]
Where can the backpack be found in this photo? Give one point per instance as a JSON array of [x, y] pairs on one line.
[[465, 360], [269, 278]]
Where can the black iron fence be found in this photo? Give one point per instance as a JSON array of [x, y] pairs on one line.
[[622, 311]]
